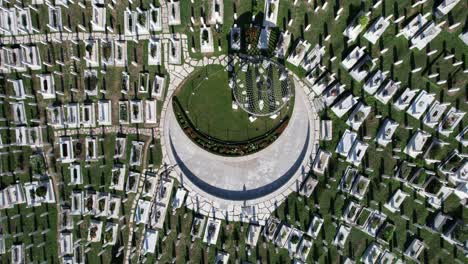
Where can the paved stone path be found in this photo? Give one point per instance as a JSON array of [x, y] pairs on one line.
[[150, 132], [233, 187], [165, 19]]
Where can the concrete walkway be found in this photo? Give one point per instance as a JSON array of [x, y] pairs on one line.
[[250, 186]]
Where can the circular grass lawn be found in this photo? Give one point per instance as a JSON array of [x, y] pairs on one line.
[[207, 100]]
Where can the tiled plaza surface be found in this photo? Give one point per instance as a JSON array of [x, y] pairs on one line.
[[247, 187]]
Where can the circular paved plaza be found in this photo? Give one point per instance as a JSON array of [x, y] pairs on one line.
[[252, 186]]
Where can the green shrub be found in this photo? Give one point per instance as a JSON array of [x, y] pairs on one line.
[[41, 191], [363, 21]]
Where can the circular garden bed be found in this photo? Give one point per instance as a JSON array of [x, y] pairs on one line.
[[207, 111]]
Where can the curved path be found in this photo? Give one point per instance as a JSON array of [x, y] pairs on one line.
[[252, 186]]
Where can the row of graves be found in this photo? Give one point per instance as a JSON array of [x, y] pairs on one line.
[[153, 85], [21, 19], [22, 108], [209, 23], [208, 230], [26, 202], [372, 222], [297, 242], [103, 226], [419, 31], [32, 194], [142, 22], [326, 91], [158, 203], [72, 150], [138, 21], [27, 194], [419, 104], [74, 115], [376, 224], [103, 208], [283, 39], [152, 210], [360, 66], [103, 53], [19, 58], [262, 41], [114, 52], [90, 114], [17, 20], [95, 222]]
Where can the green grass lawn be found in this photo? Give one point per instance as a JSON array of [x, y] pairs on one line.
[[208, 102]]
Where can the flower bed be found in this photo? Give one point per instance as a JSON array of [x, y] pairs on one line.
[[226, 148]]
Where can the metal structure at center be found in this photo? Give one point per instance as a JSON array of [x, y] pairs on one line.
[[261, 86]]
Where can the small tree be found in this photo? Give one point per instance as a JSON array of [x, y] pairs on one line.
[[141, 18], [106, 50], [89, 48], [363, 21], [41, 191], [136, 111]]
